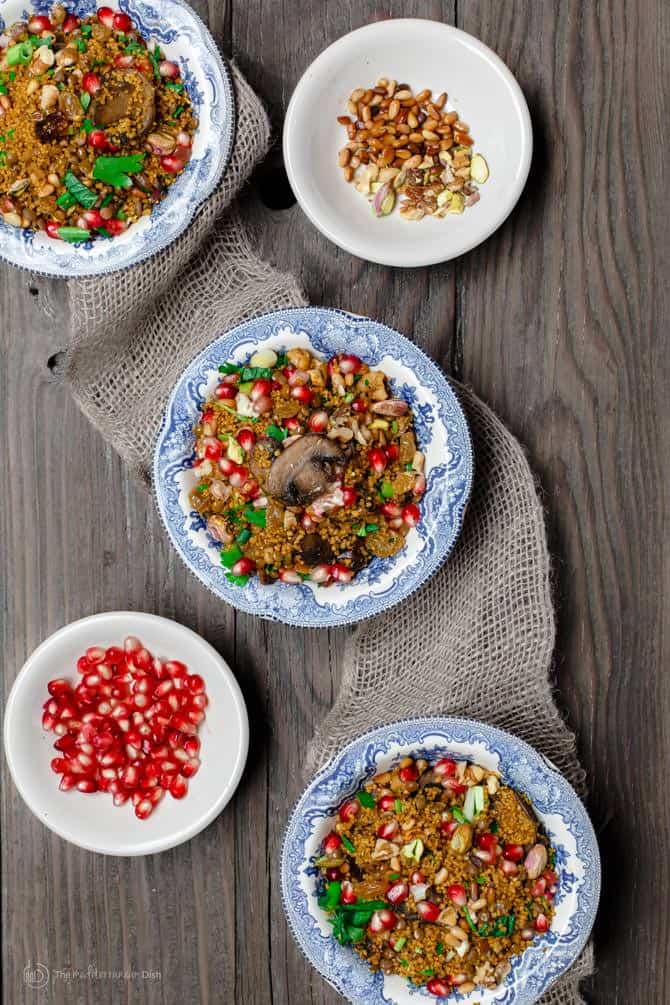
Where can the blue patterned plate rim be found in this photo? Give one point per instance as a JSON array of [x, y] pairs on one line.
[[300, 605], [186, 195], [533, 971]]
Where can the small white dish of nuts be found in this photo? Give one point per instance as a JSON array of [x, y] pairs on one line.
[[407, 142]]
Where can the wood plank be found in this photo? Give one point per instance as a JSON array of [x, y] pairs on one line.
[[563, 314]]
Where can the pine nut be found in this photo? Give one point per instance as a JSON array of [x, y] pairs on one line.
[[344, 157], [393, 109], [403, 95]]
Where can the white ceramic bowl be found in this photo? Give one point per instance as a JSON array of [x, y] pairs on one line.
[[423, 54], [92, 821]]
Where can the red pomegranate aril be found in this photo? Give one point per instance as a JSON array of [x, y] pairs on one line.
[[341, 573], [387, 829], [155, 795], [168, 69], [243, 567], [91, 83], [292, 424], [411, 514], [383, 921], [539, 887], [106, 16], [225, 392], [144, 809], [114, 655], [51, 227], [349, 810], [444, 768], [513, 852], [457, 895], [347, 895], [176, 668], [318, 421], [509, 868], [397, 893], [142, 659], [83, 666], [59, 687], [70, 23], [419, 484], [331, 842], [541, 923], [192, 746], [392, 452], [98, 141], [39, 23], [66, 744], [121, 22], [190, 768], [120, 798], [456, 787], [302, 394], [95, 654], [87, 785], [427, 910], [487, 841], [67, 782], [246, 439], [213, 449], [358, 405], [485, 855], [377, 460], [390, 510], [59, 765], [261, 388], [178, 787], [386, 802], [164, 688], [349, 364], [417, 877], [349, 496], [408, 773], [438, 987]]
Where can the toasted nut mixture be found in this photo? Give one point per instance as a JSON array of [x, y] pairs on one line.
[[406, 151]]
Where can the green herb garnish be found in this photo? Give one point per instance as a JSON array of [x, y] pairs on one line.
[[482, 879], [106, 201], [86, 30], [179, 110], [399, 943], [255, 516], [155, 56], [65, 200], [133, 47], [439, 949], [348, 844], [245, 386], [365, 799], [103, 232], [243, 536], [256, 373], [175, 87], [202, 487], [88, 127], [84, 100], [349, 920], [121, 214], [73, 235], [230, 555], [457, 814], [494, 827], [398, 805], [115, 171], [81, 44], [468, 918], [331, 898], [229, 368], [276, 433], [428, 972], [80, 192], [237, 580], [393, 875]]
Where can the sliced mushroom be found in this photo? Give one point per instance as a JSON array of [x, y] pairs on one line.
[[305, 470], [125, 94]]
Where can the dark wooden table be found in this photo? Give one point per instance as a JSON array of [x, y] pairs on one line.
[[560, 322]]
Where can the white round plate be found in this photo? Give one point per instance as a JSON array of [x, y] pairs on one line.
[[423, 54], [183, 38], [556, 804], [92, 821]]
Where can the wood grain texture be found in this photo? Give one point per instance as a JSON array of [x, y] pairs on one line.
[[558, 321]]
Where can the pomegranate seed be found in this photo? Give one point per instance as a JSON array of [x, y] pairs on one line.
[[246, 439], [349, 496], [87, 785], [417, 877], [349, 810], [485, 856], [121, 22], [172, 163], [513, 852], [83, 666], [541, 923], [397, 893], [144, 809], [386, 803], [91, 83], [66, 744], [539, 887], [261, 388], [120, 798], [349, 364], [263, 405], [59, 686], [411, 514], [551, 877], [347, 895], [295, 377], [39, 23], [98, 140], [383, 921], [225, 392], [292, 424], [487, 841], [243, 567], [195, 683], [445, 768], [167, 68], [51, 227], [388, 829], [456, 787], [438, 987], [106, 16], [377, 460], [59, 765], [67, 782], [391, 510], [178, 787], [302, 394], [289, 576], [318, 422], [142, 659], [331, 842], [427, 910], [213, 449], [509, 868], [457, 895], [333, 873], [392, 452], [181, 723], [320, 574], [419, 484], [94, 654], [191, 767], [70, 23], [408, 773], [340, 573], [239, 476], [192, 746], [358, 405]]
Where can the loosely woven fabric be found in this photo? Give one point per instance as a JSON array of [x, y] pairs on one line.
[[477, 640], [132, 333]]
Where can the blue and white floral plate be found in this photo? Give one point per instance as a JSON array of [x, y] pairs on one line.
[[555, 802], [184, 38], [442, 433]]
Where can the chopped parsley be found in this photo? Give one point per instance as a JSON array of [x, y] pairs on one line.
[[349, 921], [79, 192], [365, 799], [115, 171], [348, 844]]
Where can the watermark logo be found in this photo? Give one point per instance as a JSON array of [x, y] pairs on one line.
[[35, 976]]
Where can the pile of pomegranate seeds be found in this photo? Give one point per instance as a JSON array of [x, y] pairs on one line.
[[129, 727]]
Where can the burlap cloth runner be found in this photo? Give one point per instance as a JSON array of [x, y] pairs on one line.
[[477, 639]]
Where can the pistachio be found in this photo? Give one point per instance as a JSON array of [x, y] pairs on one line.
[[479, 169], [457, 203]]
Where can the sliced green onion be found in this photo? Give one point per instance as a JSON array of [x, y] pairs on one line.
[[246, 386], [243, 536], [332, 898], [84, 100], [230, 555], [365, 799], [65, 200], [399, 943], [348, 844], [386, 490], [468, 918], [73, 235], [256, 373], [398, 806], [494, 827], [20, 54], [81, 44], [457, 814]]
